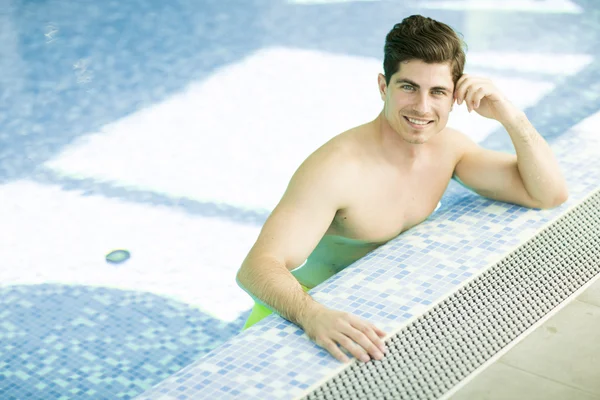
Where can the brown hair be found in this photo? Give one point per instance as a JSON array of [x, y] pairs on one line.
[[422, 38]]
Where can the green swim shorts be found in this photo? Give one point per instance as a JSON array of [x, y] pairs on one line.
[[259, 312]]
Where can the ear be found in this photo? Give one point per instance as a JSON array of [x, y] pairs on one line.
[[382, 86]]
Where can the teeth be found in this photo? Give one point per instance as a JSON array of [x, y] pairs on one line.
[[417, 122]]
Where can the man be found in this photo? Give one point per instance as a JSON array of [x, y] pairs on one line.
[[373, 182]]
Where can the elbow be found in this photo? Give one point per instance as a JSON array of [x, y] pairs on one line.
[[242, 273], [562, 198], [558, 200], [239, 276], [238, 279]]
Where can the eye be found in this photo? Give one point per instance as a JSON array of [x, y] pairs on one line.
[[407, 87], [439, 92]]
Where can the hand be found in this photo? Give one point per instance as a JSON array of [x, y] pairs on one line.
[[481, 95], [329, 328]]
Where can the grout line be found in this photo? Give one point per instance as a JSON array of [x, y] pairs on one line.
[[548, 379], [588, 303]]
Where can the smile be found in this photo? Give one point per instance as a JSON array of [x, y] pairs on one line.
[[418, 122]]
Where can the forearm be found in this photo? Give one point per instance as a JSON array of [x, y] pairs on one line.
[[537, 165], [272, 285]]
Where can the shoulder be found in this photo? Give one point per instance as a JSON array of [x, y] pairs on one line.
[[341, 153], [456, 139], [457, 143], [330, 168]]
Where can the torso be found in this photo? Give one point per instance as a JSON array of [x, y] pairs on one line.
[[387, 200]]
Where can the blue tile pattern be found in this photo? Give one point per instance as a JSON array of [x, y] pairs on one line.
[[391, 285], [71, 67], [60, 341]]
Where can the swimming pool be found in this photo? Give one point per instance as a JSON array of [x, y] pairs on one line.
[[116, 134], [454, 293]]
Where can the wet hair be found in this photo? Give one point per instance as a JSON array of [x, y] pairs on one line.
[[425, 39]]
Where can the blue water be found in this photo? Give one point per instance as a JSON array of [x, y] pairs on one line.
[[73, 67]]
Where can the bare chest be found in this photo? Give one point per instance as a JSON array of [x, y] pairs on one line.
[[386, 203]]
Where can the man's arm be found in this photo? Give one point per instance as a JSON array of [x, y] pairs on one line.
[[532, 178], [316, 192], [291, 233], [537, 165], [506, 177]]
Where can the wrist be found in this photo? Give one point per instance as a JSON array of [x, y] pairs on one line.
[[511, 116], [308, 311]]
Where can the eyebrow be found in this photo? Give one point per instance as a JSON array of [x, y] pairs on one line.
[[404, 80]]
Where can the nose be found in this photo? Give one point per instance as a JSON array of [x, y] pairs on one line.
[[422, 104]]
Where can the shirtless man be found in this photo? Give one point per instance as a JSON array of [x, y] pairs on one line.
[[369, 184]]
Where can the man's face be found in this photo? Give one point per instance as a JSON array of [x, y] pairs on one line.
[[418, 99]]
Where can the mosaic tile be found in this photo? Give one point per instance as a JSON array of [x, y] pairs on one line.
[[84, 342], [70, 69], [274, 350]]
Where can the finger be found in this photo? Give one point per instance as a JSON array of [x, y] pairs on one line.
[[374, 335], [477, 96], [476, 93], [365, 337], [462, 78], [464, 86], [352, 347], [379, 332], [334, 350], [459, 84], [459, 91], [383, 347], [465, 92], [468, 87], [470, 98]]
